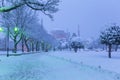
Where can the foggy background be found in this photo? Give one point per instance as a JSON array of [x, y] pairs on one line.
[[92, 16]]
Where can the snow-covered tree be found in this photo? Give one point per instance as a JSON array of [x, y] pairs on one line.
[[19, 18], [35, 33], [76, 43], [46, 6], [15, 35], [93, 44], [116, 35], [107, 39], [110, 37]]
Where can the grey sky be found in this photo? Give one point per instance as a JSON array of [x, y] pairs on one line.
[[91, 15]]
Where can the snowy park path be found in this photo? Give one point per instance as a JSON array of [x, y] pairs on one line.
[[46, 67]]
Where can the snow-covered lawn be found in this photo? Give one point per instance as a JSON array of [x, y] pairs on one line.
[[58, 65], [92, 58]]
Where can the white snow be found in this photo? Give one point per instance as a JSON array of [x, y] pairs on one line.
[[76, 39], [64, 65], [93, 58]]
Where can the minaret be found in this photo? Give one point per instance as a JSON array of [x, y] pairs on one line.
[[78, 31]]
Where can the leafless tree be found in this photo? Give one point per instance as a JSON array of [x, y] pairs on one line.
[[18, 18], [18, 13]]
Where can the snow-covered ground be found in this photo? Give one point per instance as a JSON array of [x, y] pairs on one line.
[[93, 58], [58, 65]]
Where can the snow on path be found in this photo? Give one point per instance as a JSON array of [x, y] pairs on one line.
[[46, 67]]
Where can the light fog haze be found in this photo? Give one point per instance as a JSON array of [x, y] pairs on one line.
[[91, 15]]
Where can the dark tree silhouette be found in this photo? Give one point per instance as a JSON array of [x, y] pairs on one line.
[[110, 37]]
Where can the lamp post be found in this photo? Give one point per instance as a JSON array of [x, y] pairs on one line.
[[1, 29], [8, 41]]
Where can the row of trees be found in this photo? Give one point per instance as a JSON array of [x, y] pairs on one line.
[[110, 37], [20, 19], [71, 42]]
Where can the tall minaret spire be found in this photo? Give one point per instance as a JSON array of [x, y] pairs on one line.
[[78, 31]]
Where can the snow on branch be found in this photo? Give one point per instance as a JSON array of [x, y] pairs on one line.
[[46, 6], [9, 8]]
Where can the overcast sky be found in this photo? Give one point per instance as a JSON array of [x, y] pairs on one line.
[[90, 15]]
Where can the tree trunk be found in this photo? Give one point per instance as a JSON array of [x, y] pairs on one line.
[[109, 51], [22, 43], [37, 46], [15, 46], [5, 44], [16, 42], [7, 41], [75, 49], [42, 46], [32, 46], [28, 50]]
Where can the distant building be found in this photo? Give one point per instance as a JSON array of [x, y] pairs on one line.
[[60, 34]]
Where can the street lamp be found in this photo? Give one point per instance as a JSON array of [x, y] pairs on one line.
[[1, 29], [8, 41], [16, 29]]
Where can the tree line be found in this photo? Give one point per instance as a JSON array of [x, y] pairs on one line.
[[21, 20]]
